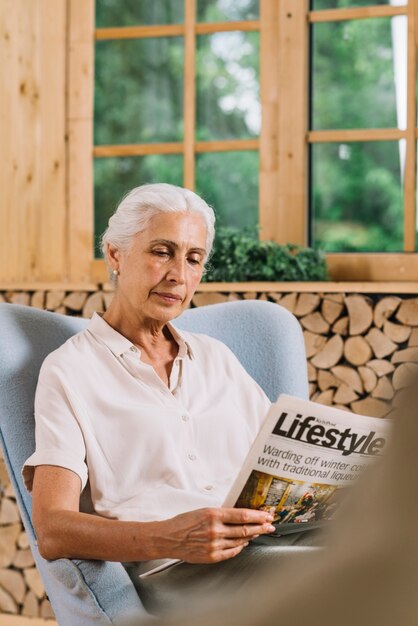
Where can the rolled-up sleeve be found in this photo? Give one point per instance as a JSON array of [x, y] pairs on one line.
[[58, 436]]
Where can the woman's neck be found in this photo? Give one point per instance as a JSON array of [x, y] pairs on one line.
[[151, 336]]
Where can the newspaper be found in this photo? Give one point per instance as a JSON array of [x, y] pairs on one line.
[[301, 462], [303, 459]]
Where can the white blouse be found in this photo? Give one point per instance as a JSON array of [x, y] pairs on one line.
[[149, 451]]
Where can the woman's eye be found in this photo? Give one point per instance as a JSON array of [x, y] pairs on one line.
[[194, 261], [160, 252]]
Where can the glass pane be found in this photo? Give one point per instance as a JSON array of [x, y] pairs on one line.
[[228, 181], [227, 86], [227, 10], [133, 13], [114, 177], [356, 196], [359, 73], [139, 90], [340, 4]]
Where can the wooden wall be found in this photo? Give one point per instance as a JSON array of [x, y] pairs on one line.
[[46, 137], [41, 118]]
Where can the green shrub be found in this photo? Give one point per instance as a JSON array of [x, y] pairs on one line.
[[239, 256]]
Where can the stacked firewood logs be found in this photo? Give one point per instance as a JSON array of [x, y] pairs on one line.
[[360, 351]]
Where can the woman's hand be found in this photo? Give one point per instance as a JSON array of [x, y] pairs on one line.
[[213, 534], [202, 536]]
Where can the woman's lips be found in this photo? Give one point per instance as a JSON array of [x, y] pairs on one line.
[[168, 297]]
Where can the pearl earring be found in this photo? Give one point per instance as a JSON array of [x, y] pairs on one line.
[[115, 272]]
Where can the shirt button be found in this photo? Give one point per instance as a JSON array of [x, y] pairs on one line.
[[209, 487], [133, 349], [185, 418], [192, 457]]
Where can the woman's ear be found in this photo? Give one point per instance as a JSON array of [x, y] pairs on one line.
[[112, 255]]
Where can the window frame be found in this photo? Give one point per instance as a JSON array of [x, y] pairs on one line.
[[380, 266], [189, 147], [284, 141]]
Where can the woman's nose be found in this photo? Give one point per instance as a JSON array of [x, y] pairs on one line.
[[177, 270]]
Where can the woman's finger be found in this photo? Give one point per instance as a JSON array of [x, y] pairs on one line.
[[228, 553], [244, 516], [247, 530]]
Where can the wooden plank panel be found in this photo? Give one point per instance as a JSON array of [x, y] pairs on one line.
[[355, 13], [370, 267], [411, 151], [269, 96], [290, 223], [25, 216], [416, 27], [189, 93], [227, 145], [139, 32], [80, 219], [220, 27], [33, 140], [52, 259], [138, 149], [48, 286], [16, 181], [98, 271], [173, 30], [356, 134]]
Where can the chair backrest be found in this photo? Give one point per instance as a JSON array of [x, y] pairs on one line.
[[264, 336], [91, 593]]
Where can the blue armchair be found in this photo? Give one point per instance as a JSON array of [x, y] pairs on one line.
[[266, 338]]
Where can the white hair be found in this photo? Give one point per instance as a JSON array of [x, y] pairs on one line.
[[141, 204]]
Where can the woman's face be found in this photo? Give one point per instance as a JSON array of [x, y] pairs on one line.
[[160, 272]]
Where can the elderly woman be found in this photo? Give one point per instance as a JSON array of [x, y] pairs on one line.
[[157, 421]]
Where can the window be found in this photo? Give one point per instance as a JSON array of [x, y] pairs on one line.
[[177, 100], [358, 81], [362, 136], [298, 116]]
